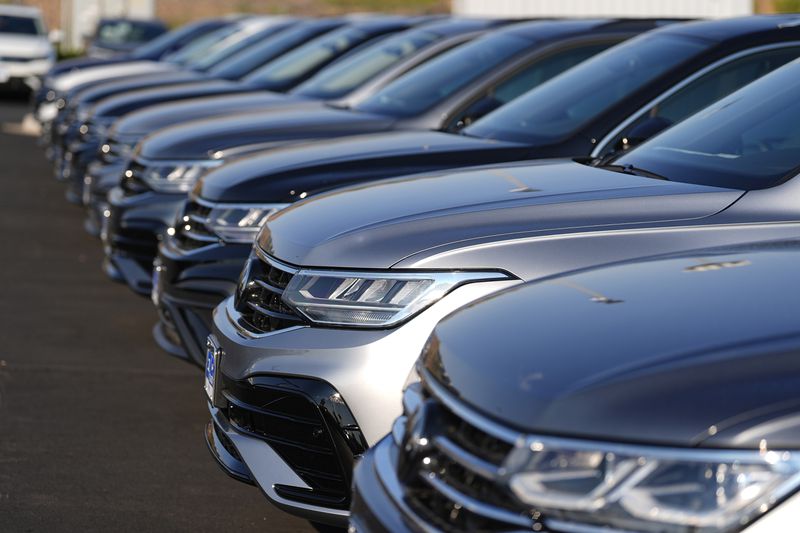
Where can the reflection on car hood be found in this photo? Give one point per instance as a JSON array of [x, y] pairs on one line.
[[379, 224], [690, 349], [159, 116], [96, 92], [68, 80], [197, 139], [290, 173], [126, 102]]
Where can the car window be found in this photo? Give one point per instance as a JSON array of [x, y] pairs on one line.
[[124, 31], [747, 140], [20, 25], [704, 91], [301, 61], [532, 75], [231, 50], [262, 53], [344, 76], [563, 105], [431, 83], [204, 45]]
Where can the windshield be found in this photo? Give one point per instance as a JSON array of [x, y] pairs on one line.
[[564, 104], [180, 37], [300, 62], [233, 47], [431, 83], [126, 31], [748, 140], [204, 45], [20, 25], [262, 53], [348, 74]]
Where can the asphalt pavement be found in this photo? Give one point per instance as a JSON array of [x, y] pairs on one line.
[[99, 429]]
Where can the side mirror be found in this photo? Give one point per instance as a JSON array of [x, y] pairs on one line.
[[643, 131], [55, 36]]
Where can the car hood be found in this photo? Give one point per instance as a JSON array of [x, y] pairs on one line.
[[120, 104], [195, 140], [697, 349], [24, 45], [67, 80], [379, 224], [97, 92], [287, 174], [160, 116]]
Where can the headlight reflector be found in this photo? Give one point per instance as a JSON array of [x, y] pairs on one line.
[[176, 177], [240, 223], [367, 299], [649, 489]]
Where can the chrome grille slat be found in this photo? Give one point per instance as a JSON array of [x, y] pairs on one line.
[[466, 459], [197, 234], [258, 300], [474, 506]]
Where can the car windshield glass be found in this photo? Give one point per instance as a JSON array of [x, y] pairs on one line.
[[231, 49], [265, 51], [748, 140], [344, 76], [431, 83], [299, 62], [170, 39], [20, 25], [125, 31], [564, 104], [204, 45]]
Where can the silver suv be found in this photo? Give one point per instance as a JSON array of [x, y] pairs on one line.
[[307, 361]]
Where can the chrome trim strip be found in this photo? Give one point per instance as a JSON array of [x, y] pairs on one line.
[[469, 461], [675, 88], [232, 315], [475, 506], [467, 414], [274, 262]]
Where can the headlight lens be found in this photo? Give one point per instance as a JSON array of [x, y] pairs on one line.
[[176, 177], [365, 299], [240, 223], [641, 489]]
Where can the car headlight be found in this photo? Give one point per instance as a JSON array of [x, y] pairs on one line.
[[649, 489], [176, 177], [233, 223], [369, 299]]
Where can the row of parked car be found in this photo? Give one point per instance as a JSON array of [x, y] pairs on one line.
[[587, 228]]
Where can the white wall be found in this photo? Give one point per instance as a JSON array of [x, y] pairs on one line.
[[603, 8], [84, 14]]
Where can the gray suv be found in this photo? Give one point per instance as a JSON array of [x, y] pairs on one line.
[[307, 361]]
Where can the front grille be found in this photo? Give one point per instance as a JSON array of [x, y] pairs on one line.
[[191, 228], [133, 179], [258, 297], [307, 423], [116, 151], [453, 482]]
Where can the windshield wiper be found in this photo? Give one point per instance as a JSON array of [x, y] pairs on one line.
[[633, 171]]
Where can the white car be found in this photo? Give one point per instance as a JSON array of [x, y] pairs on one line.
[[26, 52]]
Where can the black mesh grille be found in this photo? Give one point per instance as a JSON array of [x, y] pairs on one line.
[[133, 179], [258, 298], [306, 423], [191, 228], [460, 465]]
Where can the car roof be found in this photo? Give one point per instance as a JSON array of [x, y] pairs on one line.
[[23, 11], [732, 28], [554, 29], [458, 25]]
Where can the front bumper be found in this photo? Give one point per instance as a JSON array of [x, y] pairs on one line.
[[189, 286], [368, 368], [377, 494], [98, 182], [131, 233], [29, 72]]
